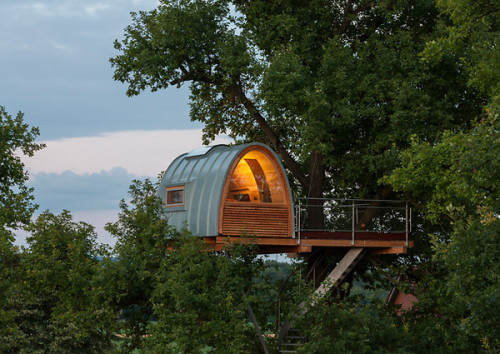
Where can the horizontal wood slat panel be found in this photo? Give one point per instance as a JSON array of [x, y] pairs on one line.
[[261, 220]]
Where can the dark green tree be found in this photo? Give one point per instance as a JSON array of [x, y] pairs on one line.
[[336, 88], [350, 90], [455, 181], [16, 208], [16, 199], [58, 303], [469, 31], [142, 235], [201, 299], [171, 292], [9, 278], [353, 327]]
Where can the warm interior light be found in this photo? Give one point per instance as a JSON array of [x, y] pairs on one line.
[[255, 179]]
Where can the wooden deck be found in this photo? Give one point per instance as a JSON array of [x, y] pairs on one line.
[[378, 243]]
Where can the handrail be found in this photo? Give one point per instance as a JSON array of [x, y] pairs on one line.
[[353, 216], [355, 199], [397, 213]]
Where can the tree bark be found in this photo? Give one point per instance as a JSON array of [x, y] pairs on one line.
[[272, 136], [315, 217], [371, 211]]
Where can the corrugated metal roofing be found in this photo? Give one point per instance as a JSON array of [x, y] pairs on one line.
[[203, 173]]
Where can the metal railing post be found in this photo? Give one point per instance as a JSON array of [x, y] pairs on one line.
[[411, 212], [406, 226], [353, 223], [298, 221]]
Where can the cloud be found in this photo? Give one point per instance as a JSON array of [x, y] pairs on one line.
[[72, 8], [139, 153], [60, 46], [98, 219], [92, 9], [70, 191], [39, 8], [55, 68]]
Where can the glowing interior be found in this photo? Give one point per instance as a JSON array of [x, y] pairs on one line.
[[255, 179]]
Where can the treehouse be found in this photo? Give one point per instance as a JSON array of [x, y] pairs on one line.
[[222, 193], [229, 191]]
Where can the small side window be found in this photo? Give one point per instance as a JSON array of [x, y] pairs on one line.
[[174, 196]]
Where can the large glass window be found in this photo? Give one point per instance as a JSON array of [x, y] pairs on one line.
[[256, 179]]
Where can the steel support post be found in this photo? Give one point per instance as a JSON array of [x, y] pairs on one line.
[[406, 224], [353, 223]]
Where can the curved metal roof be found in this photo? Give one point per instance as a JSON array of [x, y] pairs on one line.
[[203, 173]]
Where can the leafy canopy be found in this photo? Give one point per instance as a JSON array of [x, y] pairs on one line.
[[141, 233], [16, 200], [337, 88], [58, 304], [16, 208], [201, 299]]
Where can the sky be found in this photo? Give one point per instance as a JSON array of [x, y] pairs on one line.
[[54, 67]]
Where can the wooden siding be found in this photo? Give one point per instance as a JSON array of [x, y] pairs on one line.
[[256, 219]]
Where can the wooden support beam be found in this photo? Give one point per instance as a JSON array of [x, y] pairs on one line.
[[270, 245], [343, 268], [334, 279], [284, 249], [256, 325], [392, 250]]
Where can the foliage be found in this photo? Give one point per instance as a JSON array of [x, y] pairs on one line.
[[352, 327], [171, 293], [332, 86], [470, 32], [456, 182], [9, 277], [142, 233], [201, 299], [57, 304], [16, 207], [350, 90], [458, 307], [455, 177], [16, 201]]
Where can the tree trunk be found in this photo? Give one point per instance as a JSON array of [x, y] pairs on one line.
[[315, 218], [371, 211]]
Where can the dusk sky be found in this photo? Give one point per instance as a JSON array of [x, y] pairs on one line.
[[54, 67]]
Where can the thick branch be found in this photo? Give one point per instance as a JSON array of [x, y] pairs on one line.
[[194, 76], [236, 91], [346, 21], [347, 12], [371, 210], [271, 135]]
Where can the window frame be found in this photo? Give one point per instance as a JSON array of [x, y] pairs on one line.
[[174, 189]]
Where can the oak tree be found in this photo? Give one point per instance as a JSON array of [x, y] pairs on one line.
[[336, 88], [16, 208]]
